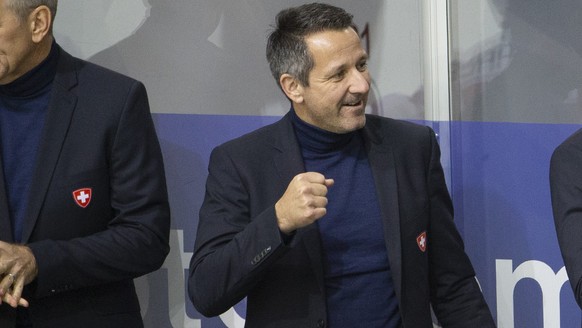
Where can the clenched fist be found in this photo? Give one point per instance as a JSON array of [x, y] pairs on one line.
[[303, 202]]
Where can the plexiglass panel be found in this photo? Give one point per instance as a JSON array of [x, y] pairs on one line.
[[516, 74], [517, 60]]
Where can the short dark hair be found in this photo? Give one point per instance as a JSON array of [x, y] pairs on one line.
[[286, 48]]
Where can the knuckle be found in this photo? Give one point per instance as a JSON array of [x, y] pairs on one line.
[[299, 177], [309, 213], [302, 189], [306, 201]]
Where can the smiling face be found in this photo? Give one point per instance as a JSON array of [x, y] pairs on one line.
[[339, 82]]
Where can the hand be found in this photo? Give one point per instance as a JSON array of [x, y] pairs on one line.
[[17, 268], [303, 202]]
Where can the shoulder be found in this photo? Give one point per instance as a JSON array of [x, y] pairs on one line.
[[73, 71], [572, 142], [397, 131], [267, 136], [569, 148], [396, 125]]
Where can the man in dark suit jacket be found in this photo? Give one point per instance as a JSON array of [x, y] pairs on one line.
[[83, 201], [566, 191], [330, 217]]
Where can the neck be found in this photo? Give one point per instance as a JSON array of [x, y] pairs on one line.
[[40, 52], [36, 56], [316, 139], [34, 80]]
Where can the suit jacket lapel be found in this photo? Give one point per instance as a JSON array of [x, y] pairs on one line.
[[58, 119], [382, 163], [287, 159], [289, 162]]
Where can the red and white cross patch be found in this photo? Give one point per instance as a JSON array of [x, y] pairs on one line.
[[82, 197], [421, 241]]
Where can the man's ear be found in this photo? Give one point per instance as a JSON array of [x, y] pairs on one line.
[[40, 21], [292, 88]]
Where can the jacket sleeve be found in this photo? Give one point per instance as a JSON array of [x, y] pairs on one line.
[[232, 249], [135, 240], [455, 295], [566, 193]]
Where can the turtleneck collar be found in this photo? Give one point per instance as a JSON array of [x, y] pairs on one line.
[[36, 80], [316, 139]]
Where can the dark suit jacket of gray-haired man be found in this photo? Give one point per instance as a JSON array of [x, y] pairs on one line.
[[83, 201]]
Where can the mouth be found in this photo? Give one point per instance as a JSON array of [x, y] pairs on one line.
[[355, 103]]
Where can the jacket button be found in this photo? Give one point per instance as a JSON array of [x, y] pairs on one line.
[[320, 323], [256, 260]]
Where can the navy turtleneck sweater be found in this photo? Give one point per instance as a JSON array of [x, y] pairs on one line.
[[358, 281], [23, 106]]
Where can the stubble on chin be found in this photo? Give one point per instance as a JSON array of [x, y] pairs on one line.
[[351, 124]]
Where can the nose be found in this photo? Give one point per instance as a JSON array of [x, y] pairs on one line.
[[360, 83]]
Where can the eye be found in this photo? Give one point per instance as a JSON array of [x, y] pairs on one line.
[[339, 75], [362, 66]]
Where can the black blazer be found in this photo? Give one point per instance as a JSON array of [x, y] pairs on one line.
[[566, 191], [98, 134], [239, 251]]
